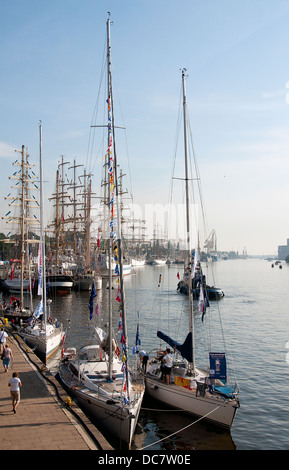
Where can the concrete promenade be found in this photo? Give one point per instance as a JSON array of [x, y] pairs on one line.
[[43, 420]]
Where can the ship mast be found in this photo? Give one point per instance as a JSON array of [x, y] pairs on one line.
[[189, 251]]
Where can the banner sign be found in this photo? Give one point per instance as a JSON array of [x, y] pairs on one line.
[[218, 367]]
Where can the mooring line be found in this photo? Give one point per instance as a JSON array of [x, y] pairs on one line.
[[180, 430]]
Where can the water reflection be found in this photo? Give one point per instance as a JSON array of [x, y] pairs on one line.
[[160, 428]]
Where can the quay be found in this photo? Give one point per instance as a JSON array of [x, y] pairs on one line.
[[45, 419]]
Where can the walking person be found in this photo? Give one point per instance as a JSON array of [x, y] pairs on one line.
[[3, 336], [6, 357], [15, 384]]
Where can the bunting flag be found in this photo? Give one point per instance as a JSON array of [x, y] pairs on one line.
[[203, 301], [40, 277], [196, 261], [109, 160], [118, 298], [137, 339], [92, 296]]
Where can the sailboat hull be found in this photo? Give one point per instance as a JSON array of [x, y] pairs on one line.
[[212, 408], [137, 262], [107, 413], [14, 285], [121, 422], [43, 347]]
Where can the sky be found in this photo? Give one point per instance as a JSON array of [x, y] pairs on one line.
[[236, 56]]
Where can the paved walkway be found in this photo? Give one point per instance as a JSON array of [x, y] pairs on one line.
[[43, 420]]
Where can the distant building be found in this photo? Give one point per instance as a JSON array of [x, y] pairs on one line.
[[283, 250]]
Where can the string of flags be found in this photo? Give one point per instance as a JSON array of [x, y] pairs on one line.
[[112, 224]]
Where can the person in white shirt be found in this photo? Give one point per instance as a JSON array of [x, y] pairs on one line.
[[168, 361], [15, 384], [144, 357], [3, 336]]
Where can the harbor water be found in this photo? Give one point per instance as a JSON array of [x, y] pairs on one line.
[[254, 319]]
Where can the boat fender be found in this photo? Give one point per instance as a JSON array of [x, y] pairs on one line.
[[155, 387], [110, 402]]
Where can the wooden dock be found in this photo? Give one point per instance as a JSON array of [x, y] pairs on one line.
[[45, 419]]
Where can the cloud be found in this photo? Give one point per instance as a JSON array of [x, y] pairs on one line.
[[6, 150], [274, 94]]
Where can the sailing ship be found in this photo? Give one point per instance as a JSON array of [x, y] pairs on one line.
[[20, 280], [41, 334], [98, 375], [202, 393], [198, 280]]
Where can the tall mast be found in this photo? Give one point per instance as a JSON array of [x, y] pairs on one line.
[[42, 236], [109, 137], [191, 326], [74, 203], [119, 244], [22, 225], [23, 202]]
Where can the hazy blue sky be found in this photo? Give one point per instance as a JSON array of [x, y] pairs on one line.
[[237, 58]]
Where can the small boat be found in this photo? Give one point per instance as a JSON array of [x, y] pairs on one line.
[[113, 403], [106, 266], [214, 293], [155, 261], [15, 314], [198, 279], [136, 262], [14, 285], [44, 338], [59, 283]]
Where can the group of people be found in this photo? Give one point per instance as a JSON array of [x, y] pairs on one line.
[[167, 361], [6, 356]]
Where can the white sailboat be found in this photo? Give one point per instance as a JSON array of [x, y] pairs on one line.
[[98, 375], [198, 392], [43, 335], [136, 262]]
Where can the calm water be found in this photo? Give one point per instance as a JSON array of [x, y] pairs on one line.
[[254, 321]]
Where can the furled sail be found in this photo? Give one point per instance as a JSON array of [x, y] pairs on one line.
[[186, 349]]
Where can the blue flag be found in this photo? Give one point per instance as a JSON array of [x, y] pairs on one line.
[[90, 304], [137, 338]]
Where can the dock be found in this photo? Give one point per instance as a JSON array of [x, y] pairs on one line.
[[46, 418]]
